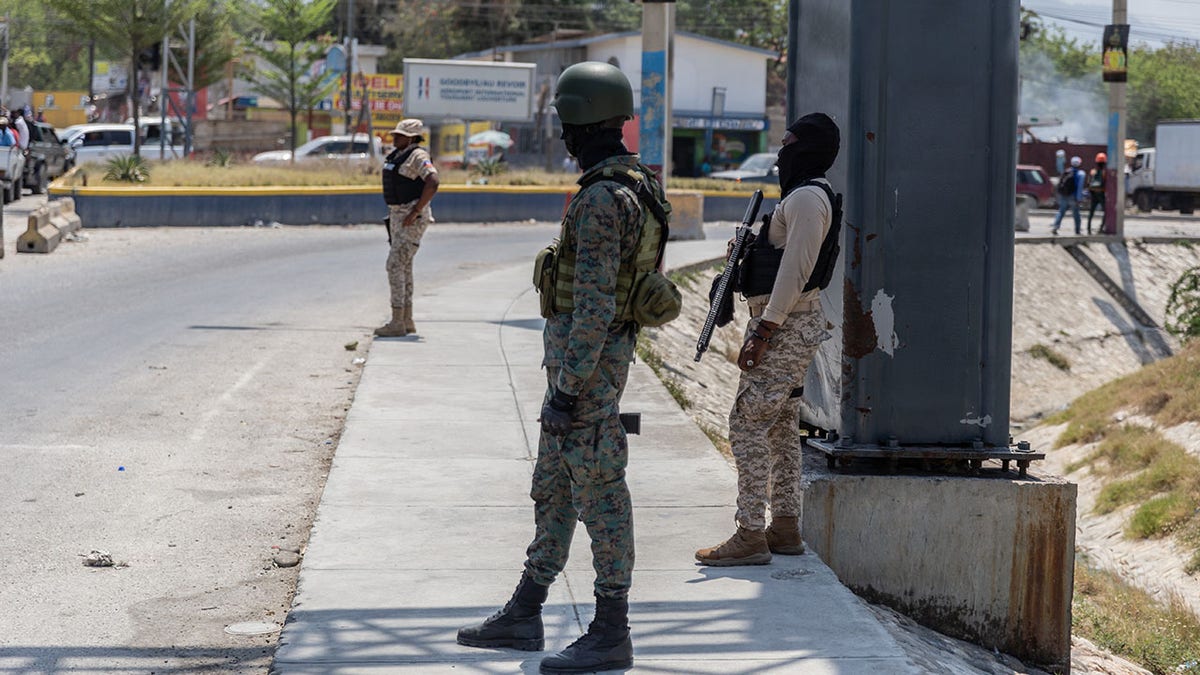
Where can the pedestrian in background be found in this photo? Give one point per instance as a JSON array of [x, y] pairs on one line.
[[785, 329], [589, 342], [21, 128], [1070, 189], [1096, 187], [409, 182], [7, 138]]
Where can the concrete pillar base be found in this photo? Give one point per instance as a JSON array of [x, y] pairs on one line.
[[989, 559]]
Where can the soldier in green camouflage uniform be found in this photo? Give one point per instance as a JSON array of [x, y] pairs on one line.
[[582, 451], [782, 337]]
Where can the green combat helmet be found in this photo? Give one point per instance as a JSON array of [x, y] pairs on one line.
[[592, 92]]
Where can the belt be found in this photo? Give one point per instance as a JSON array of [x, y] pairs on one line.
[[800, 308]]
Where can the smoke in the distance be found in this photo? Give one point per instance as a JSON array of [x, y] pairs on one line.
[[1081, 103]]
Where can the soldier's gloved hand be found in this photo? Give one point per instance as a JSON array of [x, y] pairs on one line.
[[558, 413]]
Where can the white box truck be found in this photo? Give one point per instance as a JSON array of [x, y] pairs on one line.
[[1167, 176]]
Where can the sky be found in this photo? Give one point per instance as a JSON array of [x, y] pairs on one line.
[[1150, 21]]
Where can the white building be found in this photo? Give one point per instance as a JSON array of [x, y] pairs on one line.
[[708, 74]]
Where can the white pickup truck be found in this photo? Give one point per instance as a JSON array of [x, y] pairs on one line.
[[12, 171], [101, 142]]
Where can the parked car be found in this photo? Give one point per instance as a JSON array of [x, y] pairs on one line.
[[101, 142], [757, 168], [12, 173], [363, 147], [48, 158], [1032, 180]]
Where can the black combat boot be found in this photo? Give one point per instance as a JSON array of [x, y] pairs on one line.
[[605, 645], [518, 625]]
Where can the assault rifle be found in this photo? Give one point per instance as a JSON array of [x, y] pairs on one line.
[[725, 284]]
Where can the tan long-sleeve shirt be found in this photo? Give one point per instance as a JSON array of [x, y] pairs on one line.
[[798, 225]]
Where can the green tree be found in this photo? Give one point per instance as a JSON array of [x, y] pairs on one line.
[[128, 27], [217, 43], [1164, 84], [287, 51], [43, 53]]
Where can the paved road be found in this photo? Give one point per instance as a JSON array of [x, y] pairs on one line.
[[174, 397]]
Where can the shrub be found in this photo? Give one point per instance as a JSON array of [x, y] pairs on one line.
[[127, 169], [1183, 306], [221, 157]]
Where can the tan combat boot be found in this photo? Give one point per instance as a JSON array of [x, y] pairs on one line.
[[395, 327], [745, 547], [408, 322], [783, 536]]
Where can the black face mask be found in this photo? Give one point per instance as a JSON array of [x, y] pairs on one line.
[[811, 154], [592, 145]]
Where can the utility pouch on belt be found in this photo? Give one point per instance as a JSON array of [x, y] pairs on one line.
[[543, 279]]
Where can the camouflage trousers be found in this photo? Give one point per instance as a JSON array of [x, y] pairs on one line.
[[764, 432], [581, 477], [405, 241]]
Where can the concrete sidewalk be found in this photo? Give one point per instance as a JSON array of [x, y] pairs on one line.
[[424, 521]]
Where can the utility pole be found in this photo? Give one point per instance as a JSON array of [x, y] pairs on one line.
[[91, 73], [1116, 138], [4, 74], [349, 61], [654, 125]]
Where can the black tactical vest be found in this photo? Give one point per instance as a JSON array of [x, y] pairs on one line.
[[399, 189]]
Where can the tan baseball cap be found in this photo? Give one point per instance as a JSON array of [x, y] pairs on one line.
[[410, 127]]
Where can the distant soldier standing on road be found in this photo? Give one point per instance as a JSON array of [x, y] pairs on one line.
[[409, 183], [589, 341], [785, 329]]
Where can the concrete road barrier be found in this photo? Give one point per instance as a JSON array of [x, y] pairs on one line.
[[63, 216], [48, 225], [41, 236], [1025, 204], [687, 214]]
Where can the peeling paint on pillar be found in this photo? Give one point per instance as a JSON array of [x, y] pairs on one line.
[[858, 327], [884, 319]]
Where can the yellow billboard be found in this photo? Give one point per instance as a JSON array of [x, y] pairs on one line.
[[384, 91], [61, 108]]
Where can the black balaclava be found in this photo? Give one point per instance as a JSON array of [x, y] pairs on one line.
[[592, 144], [811, 154]]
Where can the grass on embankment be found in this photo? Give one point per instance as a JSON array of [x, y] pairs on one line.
[[1128, 621], [1159, 481], [1138, 466], [196, 173]]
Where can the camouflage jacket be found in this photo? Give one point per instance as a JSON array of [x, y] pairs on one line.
[[605, 220]]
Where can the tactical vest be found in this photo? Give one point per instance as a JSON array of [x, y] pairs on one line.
[[651, 243], [757, 271], [399, 189]]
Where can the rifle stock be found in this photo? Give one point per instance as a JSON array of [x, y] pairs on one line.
[[724, 286]]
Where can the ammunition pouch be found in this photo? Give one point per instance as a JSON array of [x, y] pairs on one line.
[[543, 278], [759, 267]]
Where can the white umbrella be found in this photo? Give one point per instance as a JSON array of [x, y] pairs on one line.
[[491, 137]]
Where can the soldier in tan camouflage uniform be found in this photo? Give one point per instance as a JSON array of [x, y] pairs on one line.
[[409, 183], [782, 337], [582, 451]]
